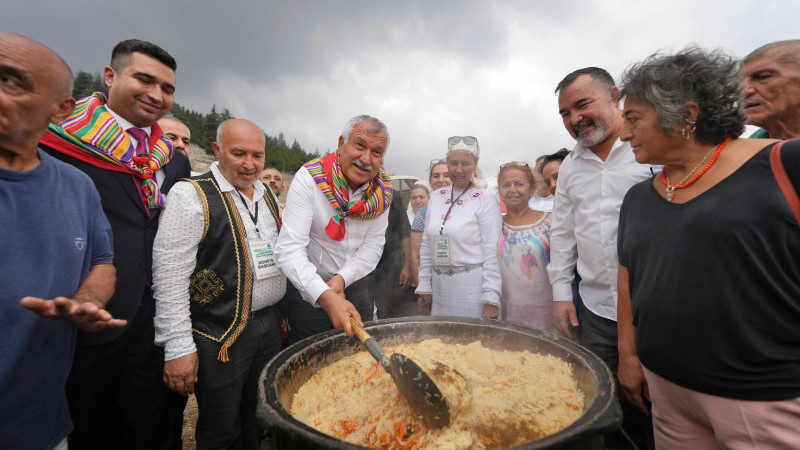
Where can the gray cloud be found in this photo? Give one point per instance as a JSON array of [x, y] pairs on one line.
[[429, 69]]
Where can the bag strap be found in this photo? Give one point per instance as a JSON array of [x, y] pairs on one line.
[[783, 180]]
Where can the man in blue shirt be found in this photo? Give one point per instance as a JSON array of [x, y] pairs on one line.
[[57, 250]]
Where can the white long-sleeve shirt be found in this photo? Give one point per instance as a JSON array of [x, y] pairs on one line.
[[474, 227], [175, 257], [589, 194], [308, 256]]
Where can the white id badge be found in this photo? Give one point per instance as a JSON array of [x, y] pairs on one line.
[[263, 256], [441, 251]]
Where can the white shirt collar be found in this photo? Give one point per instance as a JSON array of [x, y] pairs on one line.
[[226, 186], [585, 152], [124, 124]]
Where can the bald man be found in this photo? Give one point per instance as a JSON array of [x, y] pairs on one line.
[[216, 285], [56, 271], [772, 89]]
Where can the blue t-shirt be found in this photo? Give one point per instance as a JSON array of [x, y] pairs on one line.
[[52, 230]]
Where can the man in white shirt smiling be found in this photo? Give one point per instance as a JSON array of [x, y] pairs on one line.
[[216, 285], [333, 231], [591, 184]]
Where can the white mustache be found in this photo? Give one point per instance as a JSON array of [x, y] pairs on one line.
[[361, 165]]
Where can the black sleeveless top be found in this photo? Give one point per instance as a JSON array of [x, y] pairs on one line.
[[715, 283]]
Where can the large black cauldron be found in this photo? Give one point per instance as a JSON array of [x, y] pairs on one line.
[[291, 368]]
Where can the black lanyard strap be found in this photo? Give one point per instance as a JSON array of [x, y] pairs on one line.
[[453, 202], [254, 218]]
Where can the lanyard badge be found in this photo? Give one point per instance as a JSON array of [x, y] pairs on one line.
[[441, 251], [263, 256]]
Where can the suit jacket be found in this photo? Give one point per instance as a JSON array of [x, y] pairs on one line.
[[134, 233]]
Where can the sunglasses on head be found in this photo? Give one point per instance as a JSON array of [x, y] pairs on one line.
[[519, 163], [436, 162], [469, 140]]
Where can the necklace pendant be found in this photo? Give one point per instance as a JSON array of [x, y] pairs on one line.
[[668, 192]]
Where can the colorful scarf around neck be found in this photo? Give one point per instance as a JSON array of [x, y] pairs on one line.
[[328, 175], [92, 134]]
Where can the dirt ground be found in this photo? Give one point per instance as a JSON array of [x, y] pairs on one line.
[[189, 422]]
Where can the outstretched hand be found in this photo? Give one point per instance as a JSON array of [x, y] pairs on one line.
[[86, 315]]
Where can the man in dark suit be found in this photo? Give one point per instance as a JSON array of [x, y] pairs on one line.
[[115, 391]]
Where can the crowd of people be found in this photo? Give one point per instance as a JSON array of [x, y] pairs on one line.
[[665, 242]]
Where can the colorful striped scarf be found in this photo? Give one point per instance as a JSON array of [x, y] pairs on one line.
[[92, 134], [328, 175]]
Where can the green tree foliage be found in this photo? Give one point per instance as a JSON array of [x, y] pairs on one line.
[[85, 84], [204, 127]]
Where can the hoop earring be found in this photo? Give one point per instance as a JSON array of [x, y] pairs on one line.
[[686, 132]]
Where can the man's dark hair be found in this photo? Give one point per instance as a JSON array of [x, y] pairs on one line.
[[560, 155], [124, 49], [596, 73]]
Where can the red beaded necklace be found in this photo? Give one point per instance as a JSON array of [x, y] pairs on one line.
[[671, 187]]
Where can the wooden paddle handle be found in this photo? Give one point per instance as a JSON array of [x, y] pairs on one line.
[[360, 332]]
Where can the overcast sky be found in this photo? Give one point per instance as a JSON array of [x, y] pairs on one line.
[[428, 69]]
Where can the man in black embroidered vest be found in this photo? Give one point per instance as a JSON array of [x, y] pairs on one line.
[[216, 284], [115, 394]]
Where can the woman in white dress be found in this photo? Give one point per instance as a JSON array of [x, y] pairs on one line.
[[524, 252], [458, 273]]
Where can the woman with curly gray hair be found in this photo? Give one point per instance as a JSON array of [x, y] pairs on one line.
[[709, 253]]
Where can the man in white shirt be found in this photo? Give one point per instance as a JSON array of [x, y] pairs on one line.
[[333, 231], [591, 184], [216, 285]]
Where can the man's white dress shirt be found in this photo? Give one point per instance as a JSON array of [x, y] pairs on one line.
[[588, 197], [175, 257], [308, 257]]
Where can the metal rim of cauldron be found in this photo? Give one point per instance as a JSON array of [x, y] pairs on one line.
[[603, 415]]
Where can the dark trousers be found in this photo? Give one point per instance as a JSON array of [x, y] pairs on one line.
[[599, 335], [227, 392], [390, 300], [306, 320], [116, 395]]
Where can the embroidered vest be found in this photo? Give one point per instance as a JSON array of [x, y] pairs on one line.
[[221, 285]]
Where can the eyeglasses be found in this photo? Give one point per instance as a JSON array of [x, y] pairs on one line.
[[469, 140], [518, 163]]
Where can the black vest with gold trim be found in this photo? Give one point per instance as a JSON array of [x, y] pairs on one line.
[[221, 285]]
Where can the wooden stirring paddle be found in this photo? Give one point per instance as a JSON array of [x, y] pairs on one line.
[[414, 384]]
